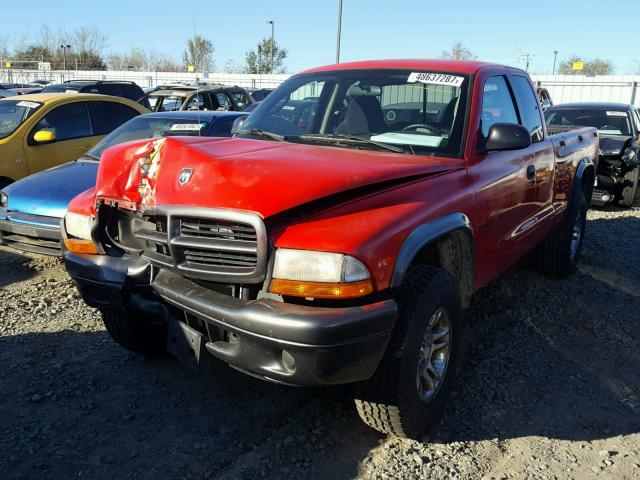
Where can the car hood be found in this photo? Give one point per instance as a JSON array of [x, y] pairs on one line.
[[49, 192], [613, 144], [266, 177]]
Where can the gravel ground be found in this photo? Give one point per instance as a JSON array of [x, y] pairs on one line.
[[549, 389]]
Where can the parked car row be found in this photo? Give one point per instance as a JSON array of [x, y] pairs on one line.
[[337, 236]]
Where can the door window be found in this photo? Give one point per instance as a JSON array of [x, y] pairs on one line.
[[528, 106], [110, 115], [67, 121], [223, 101], [497, 104]]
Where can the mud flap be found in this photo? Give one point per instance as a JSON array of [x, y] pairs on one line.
[[188, 345]]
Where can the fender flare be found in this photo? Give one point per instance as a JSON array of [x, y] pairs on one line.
[[425, 234], [584, 165]]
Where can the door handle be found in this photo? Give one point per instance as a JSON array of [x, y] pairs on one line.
[[531, 172]]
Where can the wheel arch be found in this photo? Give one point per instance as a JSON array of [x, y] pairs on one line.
[[4, 181], [583, 180], [446, 242]]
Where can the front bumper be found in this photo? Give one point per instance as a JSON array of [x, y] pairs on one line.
[[31, 233], [283, 342]]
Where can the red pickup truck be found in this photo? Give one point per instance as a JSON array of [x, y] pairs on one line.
[[339, 236]]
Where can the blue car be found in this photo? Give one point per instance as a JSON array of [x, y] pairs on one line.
[[31, 208]]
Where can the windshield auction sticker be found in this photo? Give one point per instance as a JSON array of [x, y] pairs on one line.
[[26, 104], [186, 126], [435, 79]]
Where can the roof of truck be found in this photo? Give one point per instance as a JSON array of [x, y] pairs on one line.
[[461, 66]]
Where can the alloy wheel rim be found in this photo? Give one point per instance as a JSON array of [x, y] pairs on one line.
[[434, 355]]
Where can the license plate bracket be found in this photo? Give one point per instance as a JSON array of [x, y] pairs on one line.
[[187, 344]]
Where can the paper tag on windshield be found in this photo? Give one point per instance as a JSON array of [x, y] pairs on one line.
[[186, 126], [435, 79], [26, 104], [71, 91], [616, 114]]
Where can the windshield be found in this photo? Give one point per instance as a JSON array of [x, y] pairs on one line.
[[421, 112], [167, 103], [61, 88], [608, 122], [139, 128], [13, 113]]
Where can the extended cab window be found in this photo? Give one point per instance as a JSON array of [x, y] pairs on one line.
[[388, 109], [497, 104], [528, 106], [67, 121]]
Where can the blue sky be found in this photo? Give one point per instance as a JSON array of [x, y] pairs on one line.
[[493, 29]]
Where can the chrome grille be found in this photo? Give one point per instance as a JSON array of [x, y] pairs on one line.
[[207, 244]]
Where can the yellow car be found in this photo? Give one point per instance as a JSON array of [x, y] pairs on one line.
[[43, 130]]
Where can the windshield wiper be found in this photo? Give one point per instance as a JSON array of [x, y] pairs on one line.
[[339, 137], [258, 132], [90, 156]]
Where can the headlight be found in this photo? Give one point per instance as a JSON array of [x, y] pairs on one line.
[[4, 200], [629, 154], [77, 234], [78, 226], [306, 273]]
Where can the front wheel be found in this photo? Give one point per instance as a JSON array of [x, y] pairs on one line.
[[629, 190], [408, 393]]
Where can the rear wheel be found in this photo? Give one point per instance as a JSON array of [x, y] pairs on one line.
[[557, 256], [134, 333], [629, 190], [408, 393]]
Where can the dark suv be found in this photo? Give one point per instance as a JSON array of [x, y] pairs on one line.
[[116, 88]]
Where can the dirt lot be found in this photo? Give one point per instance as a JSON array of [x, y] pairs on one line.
[[550, 389]]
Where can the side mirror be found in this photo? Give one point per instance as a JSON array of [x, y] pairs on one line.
[[44, 136], [237, 124], [505, 136]]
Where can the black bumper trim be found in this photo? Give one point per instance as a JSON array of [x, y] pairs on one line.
[[285, 322]]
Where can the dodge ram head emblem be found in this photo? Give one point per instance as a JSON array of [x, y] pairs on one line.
[[185, 175]]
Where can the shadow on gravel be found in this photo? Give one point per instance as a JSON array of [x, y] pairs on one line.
[[556, 358], [14, 268], [75, 405]]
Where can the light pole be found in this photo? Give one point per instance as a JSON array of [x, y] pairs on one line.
[[64, 47], [555, 56], [339, 31], [273, 26]]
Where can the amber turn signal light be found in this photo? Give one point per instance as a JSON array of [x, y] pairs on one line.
[[86, 247], [295, 288]]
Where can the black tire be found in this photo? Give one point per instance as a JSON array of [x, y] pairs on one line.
[[134, 333], [4, 182], [629, 189], [390, 402], [557, 256]]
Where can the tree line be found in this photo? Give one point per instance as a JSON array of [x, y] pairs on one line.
[[88, 50]]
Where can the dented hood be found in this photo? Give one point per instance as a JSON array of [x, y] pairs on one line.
[[266, 177]]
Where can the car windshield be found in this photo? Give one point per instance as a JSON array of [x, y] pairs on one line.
[[417, 111], [13, 113], [167, 102], [139, 128], [608, 122], [61, 88]]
